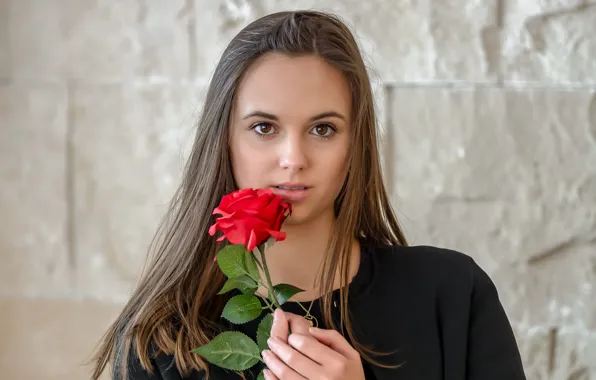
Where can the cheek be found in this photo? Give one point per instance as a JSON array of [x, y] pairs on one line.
[[248, 165], [338, 167]]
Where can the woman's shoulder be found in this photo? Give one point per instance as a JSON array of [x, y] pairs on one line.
[[422, 257], [428, 265], [447, 295]]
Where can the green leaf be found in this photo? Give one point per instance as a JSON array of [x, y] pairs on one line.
[[284, 292], [243, 283], [261, 376], [251, 266], [264, 332], [243, 308], [249, 292], [231, 350], [231, 260]]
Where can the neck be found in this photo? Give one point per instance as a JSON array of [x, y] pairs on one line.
[[298, 259]]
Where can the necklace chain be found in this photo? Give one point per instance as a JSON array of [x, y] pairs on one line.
[[311, 319]]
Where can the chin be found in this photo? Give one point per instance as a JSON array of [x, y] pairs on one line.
[[294, 219], [303, 215], [299, 215]]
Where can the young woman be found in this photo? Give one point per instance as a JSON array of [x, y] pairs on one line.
[[290, 108]]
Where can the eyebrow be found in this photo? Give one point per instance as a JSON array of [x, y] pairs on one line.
[[314, 118]]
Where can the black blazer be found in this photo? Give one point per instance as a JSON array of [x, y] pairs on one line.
[[436, 309]]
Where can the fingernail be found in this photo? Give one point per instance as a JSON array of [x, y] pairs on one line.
[[276, 314], [267, 374], [266, 354], [272, 342]]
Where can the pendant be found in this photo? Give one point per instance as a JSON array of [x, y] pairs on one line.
[[312, 321]]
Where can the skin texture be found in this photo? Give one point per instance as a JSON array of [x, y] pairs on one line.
[[294, 143]]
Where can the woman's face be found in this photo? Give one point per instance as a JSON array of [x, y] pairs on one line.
[[290, 131]]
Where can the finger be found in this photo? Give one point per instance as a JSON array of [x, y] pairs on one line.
[[298, 325], [310, 347], [279, 368], [295, 359], [336, 341], [280, 327], [269, 375]]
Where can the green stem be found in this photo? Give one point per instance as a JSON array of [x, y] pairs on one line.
[[257, 261], [268, 277], [268, 305]]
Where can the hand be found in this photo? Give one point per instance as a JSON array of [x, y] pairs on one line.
[[284, 323], [309, 354]]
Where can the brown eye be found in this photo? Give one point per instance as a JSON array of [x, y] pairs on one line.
[[323, 130], [263, 128]]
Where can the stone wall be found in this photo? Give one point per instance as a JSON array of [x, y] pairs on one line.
[[489, 146]]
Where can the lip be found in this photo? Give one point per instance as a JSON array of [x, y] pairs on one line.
[[292, 184], [291, 195]]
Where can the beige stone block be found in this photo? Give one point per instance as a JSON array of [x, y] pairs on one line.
[[550, 41], [33, 196], [490, 144], [101, 40], [561, 289], [422, 41], [455, 144], [556, 353], [554, 131], [51, 339], [130, 146]]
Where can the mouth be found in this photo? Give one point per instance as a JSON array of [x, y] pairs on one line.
[[291, 192], [283, 187]]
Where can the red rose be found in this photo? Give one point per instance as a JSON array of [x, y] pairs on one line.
[[250, 217]]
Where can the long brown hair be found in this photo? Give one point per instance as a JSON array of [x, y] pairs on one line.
[[175, 307]]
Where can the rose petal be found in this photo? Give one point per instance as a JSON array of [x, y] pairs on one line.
[[277, 235], [256, 204], [220, 211], [225, 224], [252, 241], [261, 192], [242, 203], [239, 233]]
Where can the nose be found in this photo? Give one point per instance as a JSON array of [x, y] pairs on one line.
[[292, 154]]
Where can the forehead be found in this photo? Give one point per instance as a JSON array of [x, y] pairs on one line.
[[286, 85]]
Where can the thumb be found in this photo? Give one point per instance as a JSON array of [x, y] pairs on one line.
[[335, 341], [280, 327]]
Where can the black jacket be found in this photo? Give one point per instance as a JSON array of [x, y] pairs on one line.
[[436, 309]]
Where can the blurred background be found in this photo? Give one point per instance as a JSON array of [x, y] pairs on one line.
[[488, 120]]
